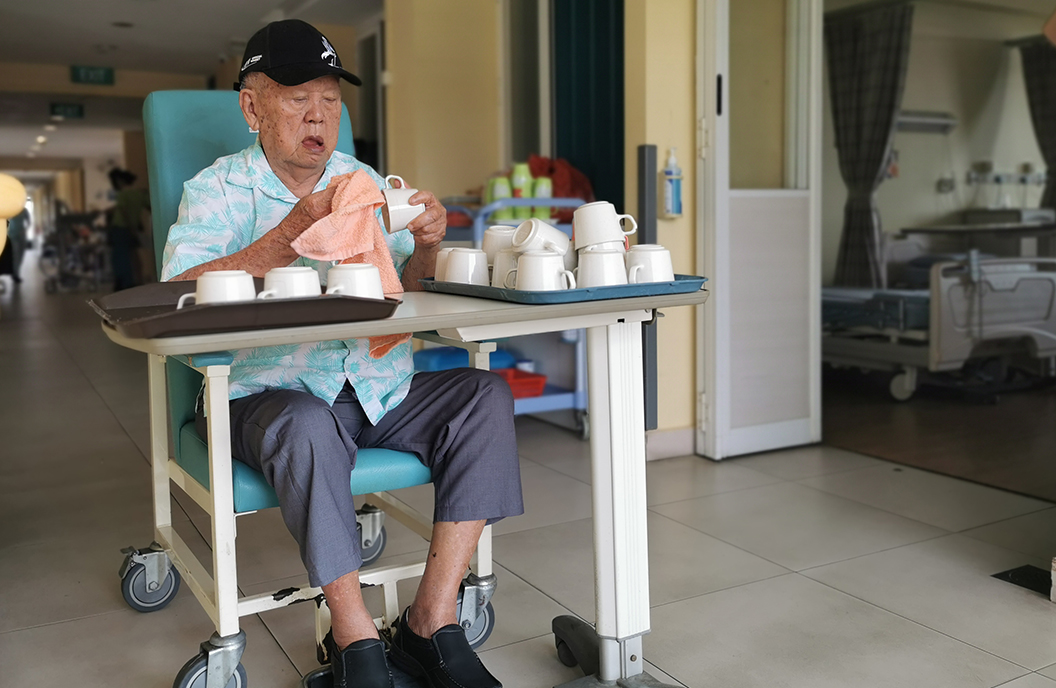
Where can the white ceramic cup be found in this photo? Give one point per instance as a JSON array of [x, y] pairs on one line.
[[536, 235], [221, 286], [649, 263], [355, 279], [397, 211], [505, 263], [467, 266], [440, 271], [540, 271], [598, 222], [497, 238], [601, 269], [290, 283]]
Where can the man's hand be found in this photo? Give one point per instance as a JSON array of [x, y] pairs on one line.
[[315, 207]]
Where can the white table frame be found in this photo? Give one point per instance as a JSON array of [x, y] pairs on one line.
[[615, 383]]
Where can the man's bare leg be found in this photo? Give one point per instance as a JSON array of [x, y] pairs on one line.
[[449, 553], [349, 619]]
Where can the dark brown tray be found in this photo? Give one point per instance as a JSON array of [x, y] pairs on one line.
[[149, 311]]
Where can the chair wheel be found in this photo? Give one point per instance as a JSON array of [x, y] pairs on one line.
[[564, 653], [372, 552], [192, 675], [134, 589], [480, 631]]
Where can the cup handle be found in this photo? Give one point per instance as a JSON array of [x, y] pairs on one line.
[[403, 184], [571, 278], [634, 224], [267, 294], [183, 299], [506, 279], [632, 275], [336, 289]]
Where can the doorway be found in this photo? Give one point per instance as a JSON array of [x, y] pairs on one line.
[[759, 70]]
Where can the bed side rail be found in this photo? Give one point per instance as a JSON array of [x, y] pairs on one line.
[[976, 301]]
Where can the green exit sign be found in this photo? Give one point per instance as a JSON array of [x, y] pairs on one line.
[[67, 110], [98, 76]]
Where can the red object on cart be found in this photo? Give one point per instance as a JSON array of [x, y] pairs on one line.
[[522, 384]]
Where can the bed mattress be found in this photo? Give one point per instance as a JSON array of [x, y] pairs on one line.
[[899, 309]]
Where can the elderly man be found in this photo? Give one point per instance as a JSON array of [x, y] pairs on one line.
[[299, 414]]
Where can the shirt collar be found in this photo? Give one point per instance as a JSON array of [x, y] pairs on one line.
[[250, 169]]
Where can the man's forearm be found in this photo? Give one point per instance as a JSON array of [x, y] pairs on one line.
[[270, 251], [422, 264]]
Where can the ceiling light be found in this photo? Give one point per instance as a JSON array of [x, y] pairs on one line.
[[57, 118], [35, 147], [31, 154], [50, 127], [42, 139]]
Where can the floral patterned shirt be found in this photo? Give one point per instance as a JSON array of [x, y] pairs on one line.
[[236, 201]]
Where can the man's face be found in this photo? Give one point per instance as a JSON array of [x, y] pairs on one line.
[[298, 124]]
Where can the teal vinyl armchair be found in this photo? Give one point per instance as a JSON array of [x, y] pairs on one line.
[[186, 131]]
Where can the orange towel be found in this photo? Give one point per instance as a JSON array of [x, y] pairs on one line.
[[351, 233]]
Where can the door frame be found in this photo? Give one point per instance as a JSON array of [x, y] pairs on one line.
[[803, 171]]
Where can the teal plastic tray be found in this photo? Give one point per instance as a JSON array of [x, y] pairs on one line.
[[683, 284]]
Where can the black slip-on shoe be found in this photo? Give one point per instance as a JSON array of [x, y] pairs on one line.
[[360, 665], [446, 660]]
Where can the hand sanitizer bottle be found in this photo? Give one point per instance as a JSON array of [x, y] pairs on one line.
[[672, 187]]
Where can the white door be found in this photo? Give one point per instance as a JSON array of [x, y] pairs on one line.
[[759, 379]]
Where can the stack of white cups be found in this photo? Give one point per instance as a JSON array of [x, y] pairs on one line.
[[536, 256], [604, 260]]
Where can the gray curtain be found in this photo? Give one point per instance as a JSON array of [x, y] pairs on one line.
[[868, 51], [1039, 71]]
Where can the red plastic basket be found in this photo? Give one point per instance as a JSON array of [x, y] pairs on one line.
[[522, 384]]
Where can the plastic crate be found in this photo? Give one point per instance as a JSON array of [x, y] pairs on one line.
[[448, 357], [522, 384]]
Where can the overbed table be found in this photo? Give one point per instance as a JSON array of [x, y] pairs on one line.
[[615, 385]]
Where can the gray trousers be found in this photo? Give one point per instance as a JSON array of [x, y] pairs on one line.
[[458, 422]]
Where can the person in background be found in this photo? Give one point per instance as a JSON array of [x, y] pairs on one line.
[[17, 228], [1050, 29], [128, 233]]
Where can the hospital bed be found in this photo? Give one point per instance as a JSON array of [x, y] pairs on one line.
[[972, 309]]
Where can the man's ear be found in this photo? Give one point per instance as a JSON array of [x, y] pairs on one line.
[[246, 101]]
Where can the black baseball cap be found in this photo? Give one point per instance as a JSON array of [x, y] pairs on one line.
[[292, 52]]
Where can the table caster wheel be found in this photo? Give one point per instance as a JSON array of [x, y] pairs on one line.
[[564, 653], [480, 631], [192, 675], [583, 425], [134, 589], [372, 552]]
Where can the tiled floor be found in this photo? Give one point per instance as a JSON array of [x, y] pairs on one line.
[[810, 568]]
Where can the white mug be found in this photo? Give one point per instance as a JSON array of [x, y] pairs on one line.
[[221, 286], [290, 283], [540, 271], [397, 211], [355, 279], [497, 238], [649, 263], [601, 269], [620, 246], [505, 263], [596, 223], [440, 271], [467, 266], [536, 235]]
